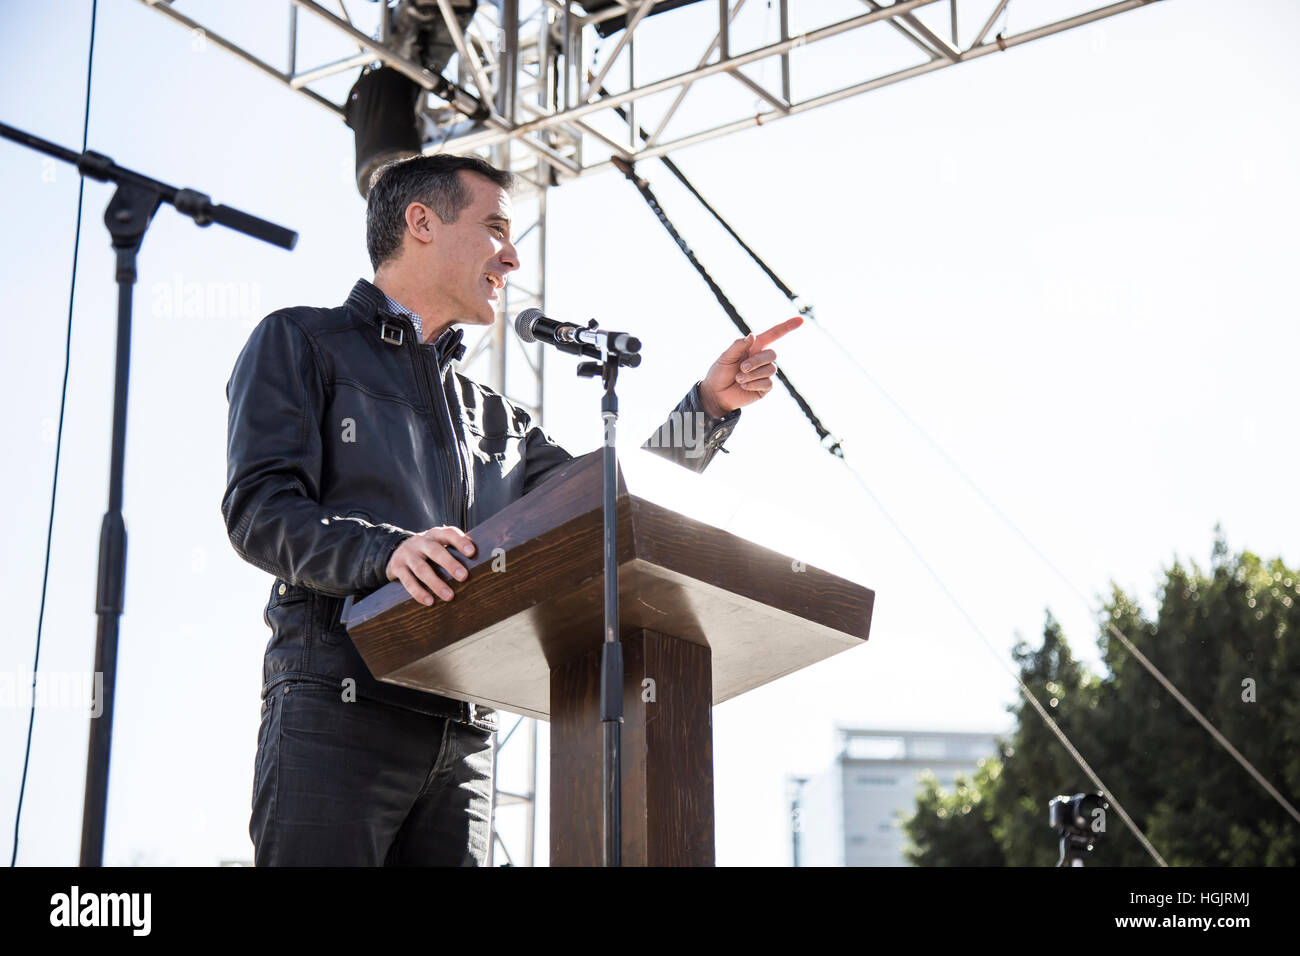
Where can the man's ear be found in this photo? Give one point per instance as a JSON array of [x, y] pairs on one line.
[[419, 221]]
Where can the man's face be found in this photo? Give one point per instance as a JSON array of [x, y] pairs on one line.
[[467, 261]]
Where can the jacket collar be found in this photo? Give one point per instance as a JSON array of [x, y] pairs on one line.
[[367, 302]]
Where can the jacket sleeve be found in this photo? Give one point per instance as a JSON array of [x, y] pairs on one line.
[[273, 466], [542, 454], [690, 437]]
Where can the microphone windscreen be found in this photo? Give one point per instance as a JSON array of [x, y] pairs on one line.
[[524, 323]]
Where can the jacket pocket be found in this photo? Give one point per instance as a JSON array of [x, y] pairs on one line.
[[288, 612], [285, 598], [332, 630]]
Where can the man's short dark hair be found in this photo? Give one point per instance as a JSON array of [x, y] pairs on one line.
[[431, 180]]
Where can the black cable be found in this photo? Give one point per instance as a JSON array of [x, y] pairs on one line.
[[776, 280], [681, 177], [835, 449], [644, 189], [807, 310], [58, 443]]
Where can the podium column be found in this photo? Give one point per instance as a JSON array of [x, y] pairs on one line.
[[667, 755]]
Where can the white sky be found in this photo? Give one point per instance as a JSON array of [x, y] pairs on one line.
[[1070, 264]]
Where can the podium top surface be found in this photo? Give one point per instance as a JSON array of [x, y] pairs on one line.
[[535, 598]]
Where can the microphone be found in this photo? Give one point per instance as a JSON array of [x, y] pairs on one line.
[[533, 325]]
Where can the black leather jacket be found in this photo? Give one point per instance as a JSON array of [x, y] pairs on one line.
[[346, 436]]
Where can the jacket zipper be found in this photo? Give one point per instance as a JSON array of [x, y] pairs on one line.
[[458, 471], [462, 492]]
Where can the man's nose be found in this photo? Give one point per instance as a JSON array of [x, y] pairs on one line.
[[509, 257]]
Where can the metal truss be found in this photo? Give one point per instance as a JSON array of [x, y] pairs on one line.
[[552, 86], [507, 798], [553, 92]]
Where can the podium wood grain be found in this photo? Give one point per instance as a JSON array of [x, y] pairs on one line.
[[667, 756]]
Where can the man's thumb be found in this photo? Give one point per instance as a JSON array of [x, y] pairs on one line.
[[740, 346]]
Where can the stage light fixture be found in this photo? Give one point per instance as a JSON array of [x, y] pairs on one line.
[[383, 105]]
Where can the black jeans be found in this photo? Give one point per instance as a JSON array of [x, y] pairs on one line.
[[358, 783]]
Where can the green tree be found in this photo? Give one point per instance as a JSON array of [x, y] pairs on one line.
[[956, 831], [1221, 637]]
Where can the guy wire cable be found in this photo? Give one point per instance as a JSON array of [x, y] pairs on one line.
[[1024, 689], [58, 442], [1142, 659], [838, 451], [828, 441], [681, 177], [807, 309]]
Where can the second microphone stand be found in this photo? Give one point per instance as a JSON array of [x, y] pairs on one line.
[[127, 217]]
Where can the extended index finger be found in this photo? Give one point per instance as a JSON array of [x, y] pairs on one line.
[[776, 331]]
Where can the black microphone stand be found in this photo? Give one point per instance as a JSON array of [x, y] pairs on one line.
[[128, 216], [611, 657]]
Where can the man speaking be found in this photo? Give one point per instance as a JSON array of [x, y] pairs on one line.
[[357, 455]]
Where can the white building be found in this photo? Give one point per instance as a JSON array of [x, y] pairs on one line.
[[849, 814]]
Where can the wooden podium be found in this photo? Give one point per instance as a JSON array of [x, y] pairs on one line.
[[704, 615]]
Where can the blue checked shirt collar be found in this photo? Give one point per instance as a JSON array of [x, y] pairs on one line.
[[448, 346], [398, 309]]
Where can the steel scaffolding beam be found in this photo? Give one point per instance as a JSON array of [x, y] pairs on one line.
[[558, 100]]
